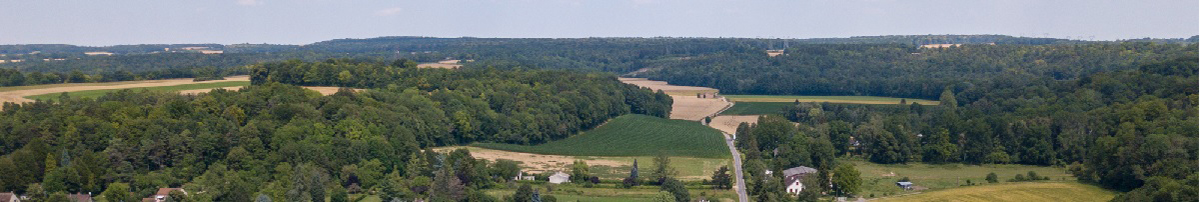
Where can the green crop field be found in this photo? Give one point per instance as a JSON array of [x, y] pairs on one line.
[[98, 93], [829, 99], [756, 108], [877, 179], [634, 135], [1022, 192]]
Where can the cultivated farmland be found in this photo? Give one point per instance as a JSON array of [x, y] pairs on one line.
[[729, 124], [686, 106], [17, 94], [634, 135], [829, 99], [1021, 192], [98, 93], [756, 108]]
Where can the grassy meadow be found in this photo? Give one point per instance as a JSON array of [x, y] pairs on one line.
[[98, 93], [1022, 192], [877, 179], [633, 135], [829, 99]]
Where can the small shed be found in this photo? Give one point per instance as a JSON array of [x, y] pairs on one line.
[[905, 185], [559, 178]]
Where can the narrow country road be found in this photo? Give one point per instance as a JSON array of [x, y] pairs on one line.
[[737, 169]]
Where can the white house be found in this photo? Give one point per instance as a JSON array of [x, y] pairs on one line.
[[793, 176], [559, 178]]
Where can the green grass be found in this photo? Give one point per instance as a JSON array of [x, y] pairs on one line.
[[945, 176], [634, 135], [830, 99], [756, 108], [98, 93], [1020, 192]]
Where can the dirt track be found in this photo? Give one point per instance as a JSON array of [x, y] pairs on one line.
[[18, 96]]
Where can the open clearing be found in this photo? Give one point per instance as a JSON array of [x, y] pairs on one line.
[[880, 179], [686, 105], [1021, 192], [18, 94], [729, 124], [633, 135], [829, 99], [605, 167]]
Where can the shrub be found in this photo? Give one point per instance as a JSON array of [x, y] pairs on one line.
[[1033, 176], [992, 178], [1018, 178]]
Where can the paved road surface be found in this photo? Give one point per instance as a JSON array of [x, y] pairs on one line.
[[737, 168]]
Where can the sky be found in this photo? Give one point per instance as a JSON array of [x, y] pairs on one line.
[[114, 22]]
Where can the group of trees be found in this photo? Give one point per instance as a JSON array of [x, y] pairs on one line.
[[1122, 129], [776, 144], [284, 143]]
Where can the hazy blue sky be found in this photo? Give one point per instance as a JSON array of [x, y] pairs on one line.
[[108, 22]]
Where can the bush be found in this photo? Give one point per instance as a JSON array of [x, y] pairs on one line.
[[1033, 176], [1018, 178], [992, 178]]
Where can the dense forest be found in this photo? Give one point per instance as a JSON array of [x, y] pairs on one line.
[[1131, 130], [286, 143], [898, 70]]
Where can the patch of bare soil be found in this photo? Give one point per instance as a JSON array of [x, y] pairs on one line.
[[18, 96], [729, 124], [533, 163], [445, 64], [667, 88], [198, 91]]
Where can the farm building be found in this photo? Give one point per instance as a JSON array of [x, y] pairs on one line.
[[211, 51], [9, 197], [559, 178], [793, 176], [905, 185]]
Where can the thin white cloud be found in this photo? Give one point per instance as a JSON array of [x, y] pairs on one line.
[[389, 11], [249, 2]]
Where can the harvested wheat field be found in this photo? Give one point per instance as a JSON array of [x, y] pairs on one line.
[[668, 88], [695, 109], [324, 90], [18, 94], [729, 124], [687, 106], [445, 64], [532, 163]]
